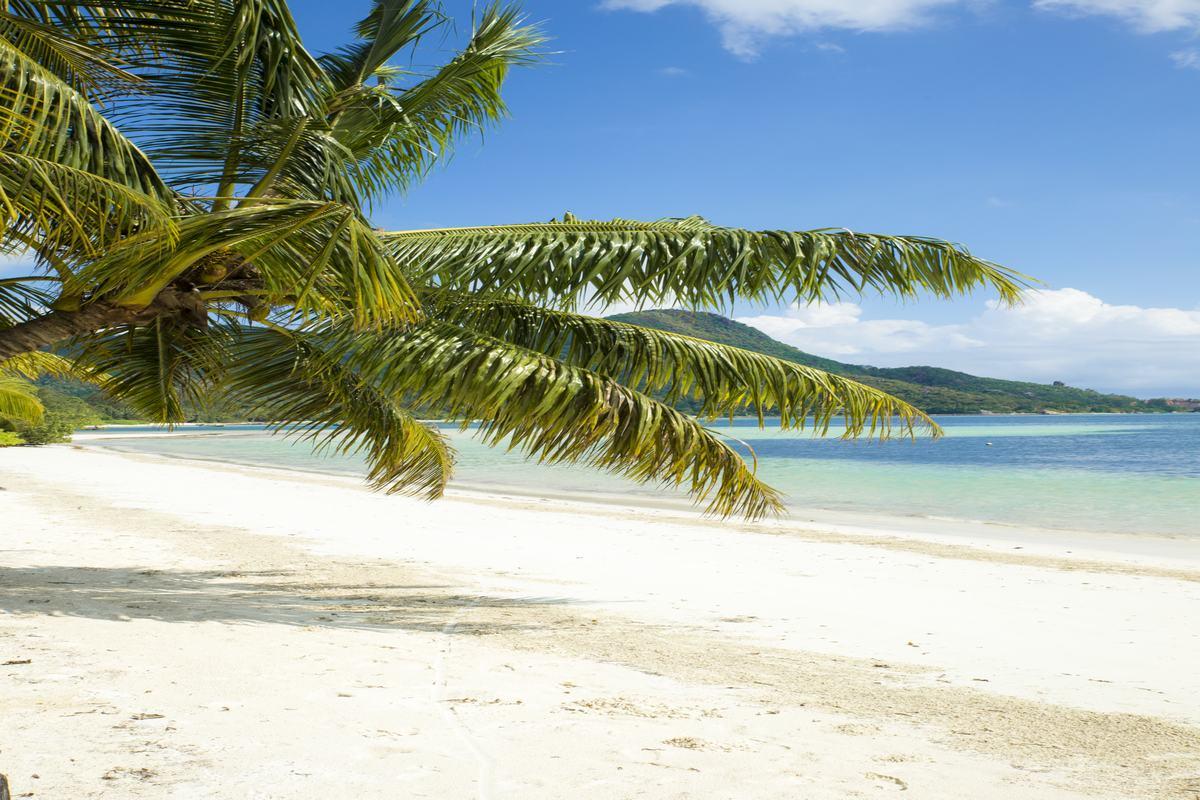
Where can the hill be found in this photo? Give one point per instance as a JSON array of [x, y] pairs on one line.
[[932, 389], [935, 390]]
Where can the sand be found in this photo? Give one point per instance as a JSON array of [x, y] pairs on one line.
[[177, 629]]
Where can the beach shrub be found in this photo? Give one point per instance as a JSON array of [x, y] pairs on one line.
[[51, 430], [10, 439], [64, 414]]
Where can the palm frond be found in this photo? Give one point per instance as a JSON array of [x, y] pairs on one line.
[[396, 136], [725, 380], [549, 410], [18, 400], [160, 369], [39, 363], [391, 26], [319, 258], [301, 155], [43, 117], [21, 299], [217, 69], [69, 215], [90, 69], [284, 378], [300, 159], [688, 261], [83, 20]]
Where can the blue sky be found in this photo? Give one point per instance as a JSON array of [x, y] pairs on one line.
[[1057, 137]]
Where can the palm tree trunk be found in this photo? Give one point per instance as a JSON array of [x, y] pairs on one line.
[[58, 325]]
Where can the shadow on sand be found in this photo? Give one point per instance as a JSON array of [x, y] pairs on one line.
[[257, 597]]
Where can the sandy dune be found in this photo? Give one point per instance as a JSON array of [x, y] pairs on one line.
[[183, 630]]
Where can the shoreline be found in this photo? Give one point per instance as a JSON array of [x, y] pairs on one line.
[[1162, 549], [195, 629]]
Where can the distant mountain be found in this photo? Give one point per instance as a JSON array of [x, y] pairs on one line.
[[935, 390], [932, 389]]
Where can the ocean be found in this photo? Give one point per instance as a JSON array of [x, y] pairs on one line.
[[1136, 474]]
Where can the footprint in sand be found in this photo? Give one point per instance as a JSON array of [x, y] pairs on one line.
[[887, 780]]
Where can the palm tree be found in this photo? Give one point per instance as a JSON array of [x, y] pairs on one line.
[[196, 188]]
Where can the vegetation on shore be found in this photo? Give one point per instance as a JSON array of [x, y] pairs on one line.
[[938, 391], [195, 189], [933, 389]]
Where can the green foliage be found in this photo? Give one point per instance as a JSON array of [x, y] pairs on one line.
[[690, 261], [64, 414], [936, 390], [102, 406], [51, 430], [18, 400], [10, 439], [714, 379]]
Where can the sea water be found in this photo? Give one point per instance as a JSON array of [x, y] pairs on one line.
[[1100, 473]]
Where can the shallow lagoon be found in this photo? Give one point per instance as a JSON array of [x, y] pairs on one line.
[[1102, 473]]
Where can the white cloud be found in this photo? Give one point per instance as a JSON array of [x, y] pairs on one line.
[[1150, 16], [1063, 334], [673, 72], [1186, 59], [745, 23]]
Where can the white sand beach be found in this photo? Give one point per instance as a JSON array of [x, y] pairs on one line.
[[176, 629]]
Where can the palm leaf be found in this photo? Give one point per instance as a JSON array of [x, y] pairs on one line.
[[688, 261], [70, 215], [285, 379], [391, 26], [161, 369], [217, 69], [39, 363], [320, 258], [396, 136], [18, 400], [305, 158], [91, 70], [21, 299], [43, 117], [549, 410], [726, 380]]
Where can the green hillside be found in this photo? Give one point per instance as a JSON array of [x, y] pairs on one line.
[[939, 391], [935, 390]]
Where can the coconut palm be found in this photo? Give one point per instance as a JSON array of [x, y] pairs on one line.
[[196, 189]]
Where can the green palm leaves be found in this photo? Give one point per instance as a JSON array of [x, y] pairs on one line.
[[726, 380], [296, 380], [193, 187], [18, 398], [689, 261]]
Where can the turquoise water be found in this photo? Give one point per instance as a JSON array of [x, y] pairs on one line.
[[1101, 473]]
